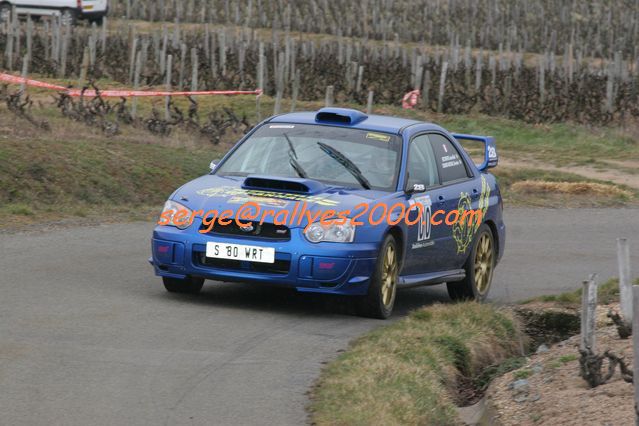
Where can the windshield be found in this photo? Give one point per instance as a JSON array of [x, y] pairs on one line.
[[333, 155]]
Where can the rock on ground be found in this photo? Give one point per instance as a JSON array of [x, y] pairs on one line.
[[549, 390]]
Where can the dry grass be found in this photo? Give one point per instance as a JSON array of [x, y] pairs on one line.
[[408, 372], [571, 188], [75, 171]]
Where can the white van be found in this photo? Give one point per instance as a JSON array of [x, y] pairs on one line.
[[68, 10]]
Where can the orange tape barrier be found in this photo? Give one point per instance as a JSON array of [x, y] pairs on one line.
[[19, 80], [8, 78]]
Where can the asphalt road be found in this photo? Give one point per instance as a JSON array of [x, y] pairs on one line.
[[89, 336]]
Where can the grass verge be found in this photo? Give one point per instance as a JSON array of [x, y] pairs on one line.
[[410, 372], [607, 293], [74, 172], [546, 188]]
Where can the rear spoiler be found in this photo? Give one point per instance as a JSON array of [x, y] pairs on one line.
[[490, 153]]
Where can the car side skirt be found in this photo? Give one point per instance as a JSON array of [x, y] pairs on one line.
[[432, 278]]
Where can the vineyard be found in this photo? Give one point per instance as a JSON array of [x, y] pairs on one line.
[[537, 61]]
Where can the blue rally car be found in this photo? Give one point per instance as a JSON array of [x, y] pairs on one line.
[[405, 181]]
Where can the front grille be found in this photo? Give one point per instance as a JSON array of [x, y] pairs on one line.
[[280, 266], [267, 231]]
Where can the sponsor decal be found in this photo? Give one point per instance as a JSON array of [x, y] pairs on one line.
[[450, 160], [424, 226], [281, 126], [262, 201], [237, 193], [378, 137], [464, 230], [422, 244]]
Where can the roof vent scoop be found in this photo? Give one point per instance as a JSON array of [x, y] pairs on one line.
[[340, 116]]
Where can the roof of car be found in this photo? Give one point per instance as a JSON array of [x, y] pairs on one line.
[[379, 123]]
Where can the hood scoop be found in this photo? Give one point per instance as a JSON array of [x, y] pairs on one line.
[[296, 185]]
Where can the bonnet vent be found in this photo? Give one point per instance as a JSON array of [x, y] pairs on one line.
[[340, 116], [283, 185]]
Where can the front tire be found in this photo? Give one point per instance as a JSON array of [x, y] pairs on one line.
[[189, 285], [479, 269], [379, 301]]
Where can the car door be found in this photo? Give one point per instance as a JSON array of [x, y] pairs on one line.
[[459, 191], [422, 248]]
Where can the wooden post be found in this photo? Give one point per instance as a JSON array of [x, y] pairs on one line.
[[360, 76], [369, 104], [182, 65], [64, 52], [426, 89], [260, 81], [478, 71], [625, 286], [84, 70], [542, 70], [167, 101], [195, 65], [103, 35], [635, 347], [588, 317], [610, 92], [442, 87], [222, 42], [296, 89], [25, 73], [136, 83], [29, 38], [132, 54], [329, 96]]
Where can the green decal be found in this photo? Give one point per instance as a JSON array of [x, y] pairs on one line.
[[237, 193], [464, 230]]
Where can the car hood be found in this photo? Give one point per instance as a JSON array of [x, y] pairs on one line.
[[221, 193]]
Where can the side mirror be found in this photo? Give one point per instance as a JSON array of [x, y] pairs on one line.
[[214, 164], [417, 188]]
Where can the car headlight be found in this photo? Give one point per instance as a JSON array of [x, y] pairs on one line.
[[170, 214], [334, 233]]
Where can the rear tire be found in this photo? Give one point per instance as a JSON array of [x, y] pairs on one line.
[[379, 301], [99, 20], [479, 269], [189, 285]]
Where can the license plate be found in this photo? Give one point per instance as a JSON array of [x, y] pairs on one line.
[[240, 252]]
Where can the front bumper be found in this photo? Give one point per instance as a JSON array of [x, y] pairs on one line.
[[336, 268], [91, 13]]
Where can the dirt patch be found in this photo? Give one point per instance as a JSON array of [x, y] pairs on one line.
[[618, 177], [632, 166], [549, 391], [548, 323], [573, 188]]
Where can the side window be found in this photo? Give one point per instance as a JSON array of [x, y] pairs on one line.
[[422, 167], [450, 164]]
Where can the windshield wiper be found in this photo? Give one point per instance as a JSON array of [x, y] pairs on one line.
[[292, 159], [348, 164]]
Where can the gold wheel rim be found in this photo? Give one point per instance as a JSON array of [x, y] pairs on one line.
[[483, 264], [389, 276]]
